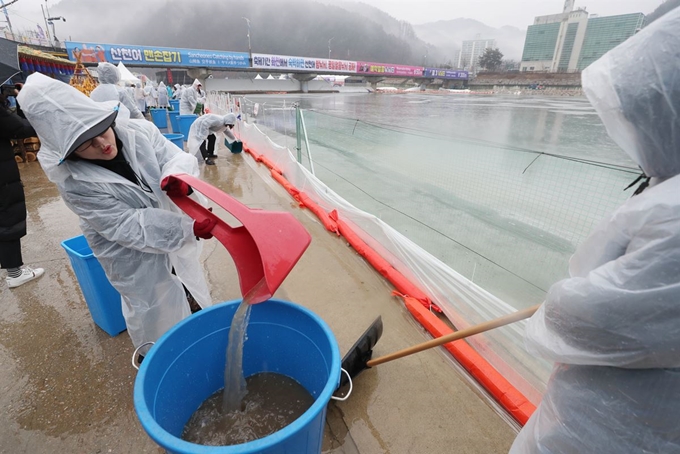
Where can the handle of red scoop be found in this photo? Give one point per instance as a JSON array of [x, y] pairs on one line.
[[233, 206], [264, 248]]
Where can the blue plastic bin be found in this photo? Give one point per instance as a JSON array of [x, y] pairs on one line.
[[185, 122], [177, 139], [186, 366], [175, 104], [102, 299], [160, 118], [174, 122]]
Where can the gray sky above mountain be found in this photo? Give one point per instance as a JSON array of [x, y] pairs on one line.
[[25, 14], [497, 13]]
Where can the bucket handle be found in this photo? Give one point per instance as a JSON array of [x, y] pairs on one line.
[[349, 393], [134, 355]]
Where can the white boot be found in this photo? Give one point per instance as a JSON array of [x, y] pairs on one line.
[[27, 274]]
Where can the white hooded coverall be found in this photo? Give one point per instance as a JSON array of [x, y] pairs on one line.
[[162, 95], [613, 328], [109, 90], [206, 125], [190, 98], [137, 236]]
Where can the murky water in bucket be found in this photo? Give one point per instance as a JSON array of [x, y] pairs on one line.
[[246, 409], [273, 402]]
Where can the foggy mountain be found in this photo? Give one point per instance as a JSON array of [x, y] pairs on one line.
[[292, 28], [299, 27], [399, 28], [449, 34]]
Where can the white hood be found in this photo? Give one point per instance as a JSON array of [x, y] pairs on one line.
[[108, 74], [60, 114]]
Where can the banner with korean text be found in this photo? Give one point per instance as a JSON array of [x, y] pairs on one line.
[[266, 61], [388, 69], [155, 56], [446, 74]]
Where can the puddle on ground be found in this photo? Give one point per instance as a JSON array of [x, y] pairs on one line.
[[273, 402]]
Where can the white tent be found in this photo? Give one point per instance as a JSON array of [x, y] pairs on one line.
[[270, 77], [258, 77], [282, 77], [126, 75]]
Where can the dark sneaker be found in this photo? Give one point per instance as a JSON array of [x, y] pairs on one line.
[[193, 305], [209, 162]]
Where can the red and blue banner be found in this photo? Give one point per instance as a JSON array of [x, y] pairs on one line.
[[155, 56]]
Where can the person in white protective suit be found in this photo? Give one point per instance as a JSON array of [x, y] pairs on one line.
[[150, 95], [178, 92], [613, 328], [202, 135], [109, 171], [191, 98], [139, 98], [162, 96], [109, 90]]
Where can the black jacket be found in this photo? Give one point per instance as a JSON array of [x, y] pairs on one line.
[[12, 202]]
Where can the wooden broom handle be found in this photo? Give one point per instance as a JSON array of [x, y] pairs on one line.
[[482, 327]]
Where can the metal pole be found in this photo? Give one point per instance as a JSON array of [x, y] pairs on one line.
[[47, 27], [298, 134], [9, 23], [309, 151], [250, 52], [329, 47]]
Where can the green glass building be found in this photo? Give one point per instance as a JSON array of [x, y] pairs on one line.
[[571, 40], [605, 33], [540, 42]]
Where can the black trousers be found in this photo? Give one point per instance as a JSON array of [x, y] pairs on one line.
[[10, 254], [210, 149]]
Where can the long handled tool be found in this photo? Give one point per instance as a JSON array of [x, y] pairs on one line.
[[482, 327], [265, 248]]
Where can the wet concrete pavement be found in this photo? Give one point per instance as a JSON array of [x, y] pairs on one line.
[[66, 386]]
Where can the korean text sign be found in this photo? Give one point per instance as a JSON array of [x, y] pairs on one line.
[[381, 69], [155, 56], [266, 61]]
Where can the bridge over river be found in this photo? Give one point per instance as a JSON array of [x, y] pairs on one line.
[[200, 63]]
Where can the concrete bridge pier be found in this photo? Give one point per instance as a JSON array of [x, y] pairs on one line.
[[199, 73], [304, 81], [424, 83], [374, 81]]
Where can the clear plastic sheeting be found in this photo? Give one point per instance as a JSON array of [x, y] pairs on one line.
[[484, 234]]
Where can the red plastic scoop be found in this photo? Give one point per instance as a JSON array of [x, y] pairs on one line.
[[265, 248]]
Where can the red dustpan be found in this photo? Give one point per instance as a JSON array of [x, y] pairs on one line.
[[265, 248]]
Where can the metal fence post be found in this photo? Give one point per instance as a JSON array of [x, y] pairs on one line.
[[298, 133]]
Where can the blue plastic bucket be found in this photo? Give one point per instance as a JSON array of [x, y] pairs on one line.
[[175, 104], [185, 122], [102, 299], [174, 122], [186, 366], [177, 139], [160, 118]]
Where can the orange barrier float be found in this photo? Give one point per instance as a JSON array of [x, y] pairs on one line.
[[417, 302]]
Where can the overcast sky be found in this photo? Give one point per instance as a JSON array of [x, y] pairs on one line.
[[25, 14]]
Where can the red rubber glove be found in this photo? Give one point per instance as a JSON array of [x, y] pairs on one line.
[[203, 228], [175, 188]]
